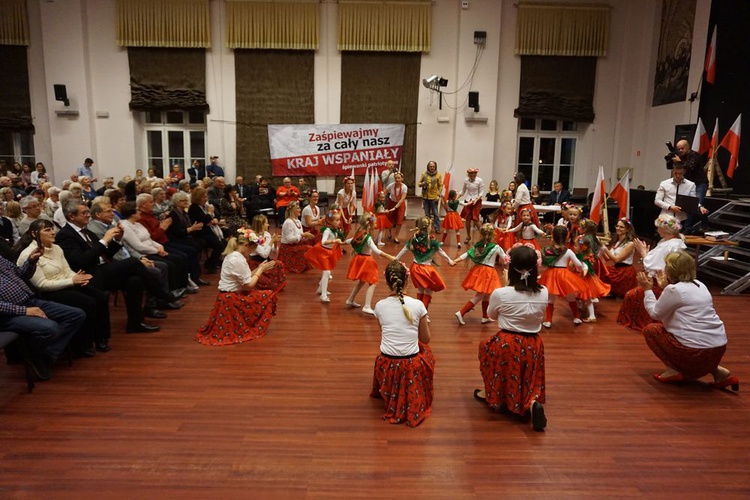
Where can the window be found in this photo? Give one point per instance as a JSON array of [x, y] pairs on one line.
[[17, 147], [174, 137], [547, 151]]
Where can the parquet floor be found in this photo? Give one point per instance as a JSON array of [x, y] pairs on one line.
[[289, 416]]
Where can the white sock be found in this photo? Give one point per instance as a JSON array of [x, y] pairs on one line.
[[324, 283], [368, 296], [590, 307]]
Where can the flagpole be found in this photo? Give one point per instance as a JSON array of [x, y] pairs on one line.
[[605, 216]]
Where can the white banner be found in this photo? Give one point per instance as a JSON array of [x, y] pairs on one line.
[[346, 149]]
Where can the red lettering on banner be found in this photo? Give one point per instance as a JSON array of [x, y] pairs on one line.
[[342, 163]]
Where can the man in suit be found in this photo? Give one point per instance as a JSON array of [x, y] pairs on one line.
[[557, 196], [214, 169], [243, 191], [84, 251], [196, 172]]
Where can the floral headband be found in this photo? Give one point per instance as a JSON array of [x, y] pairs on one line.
[[472, 170], [626, 221], [246, 233], [668, 221]]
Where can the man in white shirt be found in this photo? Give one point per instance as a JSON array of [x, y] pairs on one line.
[[666, 195]]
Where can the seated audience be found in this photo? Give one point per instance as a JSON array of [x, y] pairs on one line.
[[162, 206], [285, 194], [689, 338], [210, 233], [230, 208], [405, 368], [32, 210]]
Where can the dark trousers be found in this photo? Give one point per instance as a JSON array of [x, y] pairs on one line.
[[190, 249], [176, 268], [95, 303], [49, 335]]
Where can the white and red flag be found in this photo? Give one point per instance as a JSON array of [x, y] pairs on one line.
[[731, 142], [621, 194], [598, 200]]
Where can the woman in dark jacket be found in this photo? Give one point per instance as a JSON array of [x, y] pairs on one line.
[[201, 211]]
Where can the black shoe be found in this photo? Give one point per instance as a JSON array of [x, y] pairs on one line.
[[191, 290], [40, 366], [143, 328], [179, 293], [201, 282], [538, 419], [478, 397], [154, 313], [103, 347], [85, 353], [175, 304]]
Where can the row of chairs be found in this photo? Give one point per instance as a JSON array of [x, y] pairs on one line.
[[18, 342]]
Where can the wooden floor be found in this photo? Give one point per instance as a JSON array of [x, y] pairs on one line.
[[289, 416]]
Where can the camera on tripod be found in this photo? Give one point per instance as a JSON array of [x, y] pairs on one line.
[[670, 156]]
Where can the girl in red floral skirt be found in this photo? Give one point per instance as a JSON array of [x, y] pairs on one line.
[[587, 248], [240, 312], [512, 360], [405, 368], [483, 277], [504, 222], [423, 274], [452, 220], [295, 241], [558, 278], [382, 219], [267, 249], [362, 267], [327, 252]]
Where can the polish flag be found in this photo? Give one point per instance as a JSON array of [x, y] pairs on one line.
[[714, 140], [598, 200], [711, 59], [701, 141], [375, 186], [367, 201], [621, 194], [731, 142], [447, 183]]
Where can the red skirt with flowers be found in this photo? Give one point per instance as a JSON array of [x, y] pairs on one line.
[[273, 279], [482, 279], [594, 288], [397, 216], [532, 241], [690, 361], [452, 221], [405, 385], [238, 317], [512, 367], [562, 281], [293, 256], [633, 313], [505, 239], [382, 221], [621, 279], [423, 276], [324, 258], [363, 268], [471, 212]]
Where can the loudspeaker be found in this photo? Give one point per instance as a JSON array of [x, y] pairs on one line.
[[61, 94], [474, 100]]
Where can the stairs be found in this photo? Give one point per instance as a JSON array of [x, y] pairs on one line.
[[729, 265]]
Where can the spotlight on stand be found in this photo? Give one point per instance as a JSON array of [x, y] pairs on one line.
[[435, 82]]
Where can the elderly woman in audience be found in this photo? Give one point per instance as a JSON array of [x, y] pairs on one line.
[[88, 193], [57, 282], [405, 368], [14, 213], [689, 337], [618, 257], [32, 210], [230, 208], [512, 360], [210, 234], [241, 312], [7, 194], [632, 313], [162, 206]]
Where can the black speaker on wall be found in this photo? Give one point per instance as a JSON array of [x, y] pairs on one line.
[[61, 94], [474, 100]]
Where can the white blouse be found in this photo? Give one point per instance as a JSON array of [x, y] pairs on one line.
[[527, 232], [266, 248], [311, 212], [291, 231], [687, 311], [52, 269], [492, 256], [235, 272], [567, 257], [515, 311], [399, 337], [136, 237], [654, 259]]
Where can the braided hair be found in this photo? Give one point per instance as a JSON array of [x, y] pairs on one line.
[[395, 276]]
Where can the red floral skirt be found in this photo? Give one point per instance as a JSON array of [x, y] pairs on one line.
[[238, 317], [690, 361], [621, 279], [273, 279], [452, 221], [363, 268], [562, 281], [594, 288], [512, 367], [633, 313], [324, 258], [405, 385], [482, 279], [397, 216], [426, 277], [471, 212], [532, 241], [505, 239], [382, 222], [293, 256]]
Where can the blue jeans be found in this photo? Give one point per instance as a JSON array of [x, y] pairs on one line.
[[49, 335], [431, 210]]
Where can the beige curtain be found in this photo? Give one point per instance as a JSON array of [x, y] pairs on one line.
[[388, 26], [163, 23], [293, 25], [14, 25], [562, 30]]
